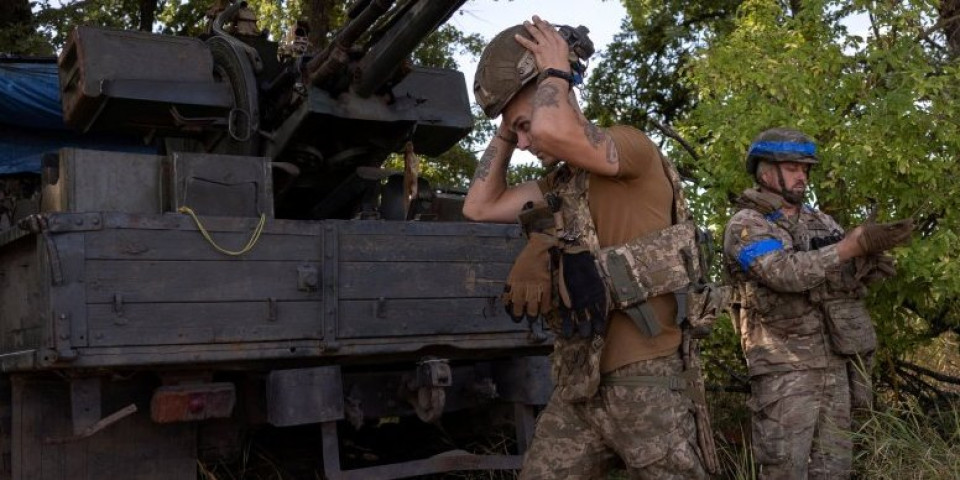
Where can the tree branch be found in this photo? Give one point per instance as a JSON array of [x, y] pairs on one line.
[[674, 135]]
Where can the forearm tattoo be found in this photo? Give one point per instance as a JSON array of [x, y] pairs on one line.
[[594, 135], [546, 96], [485, 163]]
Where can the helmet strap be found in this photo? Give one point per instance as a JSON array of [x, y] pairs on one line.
[[787, 195]]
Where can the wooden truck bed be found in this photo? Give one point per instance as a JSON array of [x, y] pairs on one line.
[[114, 289]]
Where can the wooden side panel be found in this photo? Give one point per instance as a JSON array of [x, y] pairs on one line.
[[203, 322], [421, 317], [23, 295], [133, 448], [409, 280], [194, 281]]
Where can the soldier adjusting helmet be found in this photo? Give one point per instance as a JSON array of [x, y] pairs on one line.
[[777, 145], [504, 68]]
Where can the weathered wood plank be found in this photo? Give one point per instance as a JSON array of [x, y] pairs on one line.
[[192, 323], [398, 228], [373, 280], [175, 221], [24, 290], [130, 244], [422, 248], [185, 281], [399, 318]]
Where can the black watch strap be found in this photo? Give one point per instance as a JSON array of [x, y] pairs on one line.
[[553, 72]]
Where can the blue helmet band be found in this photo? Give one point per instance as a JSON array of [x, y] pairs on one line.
[[806, 149]]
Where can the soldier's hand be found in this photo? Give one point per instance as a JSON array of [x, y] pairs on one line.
[[528, 287], [583, 306], [873, 268], [880, 237]]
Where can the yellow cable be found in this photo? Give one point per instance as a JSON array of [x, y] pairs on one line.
[[203, 231]]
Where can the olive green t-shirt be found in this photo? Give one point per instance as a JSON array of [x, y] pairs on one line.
[[635, 202]]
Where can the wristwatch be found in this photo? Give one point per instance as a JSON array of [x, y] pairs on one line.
[[553, 72]]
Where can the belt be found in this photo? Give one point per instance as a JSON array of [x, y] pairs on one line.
[[683, 383]]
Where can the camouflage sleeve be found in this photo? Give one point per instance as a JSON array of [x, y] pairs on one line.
[[766, 253]]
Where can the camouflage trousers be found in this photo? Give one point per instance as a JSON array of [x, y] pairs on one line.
[[650, 429], [801, 424]]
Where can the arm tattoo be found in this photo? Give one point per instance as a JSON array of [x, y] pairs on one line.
[[546, 96], [483, 166], [613, 157], [594, 134]]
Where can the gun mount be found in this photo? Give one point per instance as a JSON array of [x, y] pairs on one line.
[[317, 117]]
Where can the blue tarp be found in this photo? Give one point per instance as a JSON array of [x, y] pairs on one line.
[[31, 122]]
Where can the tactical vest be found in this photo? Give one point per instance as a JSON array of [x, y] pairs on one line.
[[661, 262], [839, 297]]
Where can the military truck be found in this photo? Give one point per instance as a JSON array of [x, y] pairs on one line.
[[248, 269]]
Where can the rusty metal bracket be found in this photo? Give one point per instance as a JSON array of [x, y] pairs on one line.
[[73, 222], [308, 278], [425, 389], [62, 336]]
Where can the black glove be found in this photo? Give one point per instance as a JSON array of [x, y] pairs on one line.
[[583, 308]]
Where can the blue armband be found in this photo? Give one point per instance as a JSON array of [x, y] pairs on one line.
[[757, 249]]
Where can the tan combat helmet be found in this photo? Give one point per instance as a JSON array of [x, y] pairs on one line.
[[505, 66]]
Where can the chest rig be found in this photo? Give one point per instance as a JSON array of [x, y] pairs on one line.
[[661, 262], [840, 296]]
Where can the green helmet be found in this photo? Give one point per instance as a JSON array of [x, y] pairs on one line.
[[781, 145], [504, 68]]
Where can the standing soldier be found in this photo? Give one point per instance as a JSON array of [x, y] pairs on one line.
[[806, 333], [610, 251]]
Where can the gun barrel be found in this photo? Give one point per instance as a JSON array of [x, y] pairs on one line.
[[334, 58], [399, 41]]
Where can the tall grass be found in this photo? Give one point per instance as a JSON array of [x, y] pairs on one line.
[[907, 443]]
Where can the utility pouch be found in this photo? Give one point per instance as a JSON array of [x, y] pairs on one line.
[[576, 367], [648, 267], [848, 322]]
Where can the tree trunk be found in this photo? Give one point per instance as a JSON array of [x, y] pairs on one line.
[[14, 12], [950, 13], [319, 14], [148, 14]]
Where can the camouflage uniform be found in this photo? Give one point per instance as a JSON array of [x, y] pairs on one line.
[[632, 413], [649, 427], [786, 270]]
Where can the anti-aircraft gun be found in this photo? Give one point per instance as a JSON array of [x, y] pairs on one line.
[[258, 275]]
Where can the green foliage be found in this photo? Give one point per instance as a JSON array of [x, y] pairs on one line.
[[882, 112], [636, 77]]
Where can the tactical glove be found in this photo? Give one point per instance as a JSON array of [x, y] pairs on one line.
[[880, 237], [583, 306], [873, 268], [527, 291]]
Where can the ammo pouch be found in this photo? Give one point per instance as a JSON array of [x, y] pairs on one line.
[[649, 266], [848, 321], [575, 365]]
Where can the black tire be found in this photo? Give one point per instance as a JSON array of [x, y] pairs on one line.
[[231, 66]]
